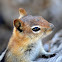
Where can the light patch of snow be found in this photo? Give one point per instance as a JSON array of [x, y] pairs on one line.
[[57, 36], [59, 59], [2, 55], [46, 47]]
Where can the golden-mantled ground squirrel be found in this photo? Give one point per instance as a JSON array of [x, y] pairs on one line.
[[25, 43]]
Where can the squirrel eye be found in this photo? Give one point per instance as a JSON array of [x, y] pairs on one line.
[[36, 29]]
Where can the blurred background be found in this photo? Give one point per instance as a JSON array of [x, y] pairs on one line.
[[51, 10]]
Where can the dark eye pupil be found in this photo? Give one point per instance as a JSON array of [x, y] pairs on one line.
[[36, 29]]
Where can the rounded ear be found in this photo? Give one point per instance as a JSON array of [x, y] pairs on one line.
[[22, 12], [18, 24]]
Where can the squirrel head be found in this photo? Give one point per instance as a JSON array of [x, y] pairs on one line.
[[31, 26]]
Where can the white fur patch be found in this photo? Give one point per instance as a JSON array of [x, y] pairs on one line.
[[20, 16], [35, 50]]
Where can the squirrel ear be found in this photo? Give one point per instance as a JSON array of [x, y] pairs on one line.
[[18, 24], [22, 12]]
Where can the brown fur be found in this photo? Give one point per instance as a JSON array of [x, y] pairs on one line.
[[20, 40]]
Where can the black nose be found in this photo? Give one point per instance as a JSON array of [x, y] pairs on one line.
[[52, 26]]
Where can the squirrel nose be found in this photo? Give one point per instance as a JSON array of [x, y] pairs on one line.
[[52, 26]]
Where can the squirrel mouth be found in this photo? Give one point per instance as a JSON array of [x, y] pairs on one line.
[[48, 31]]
